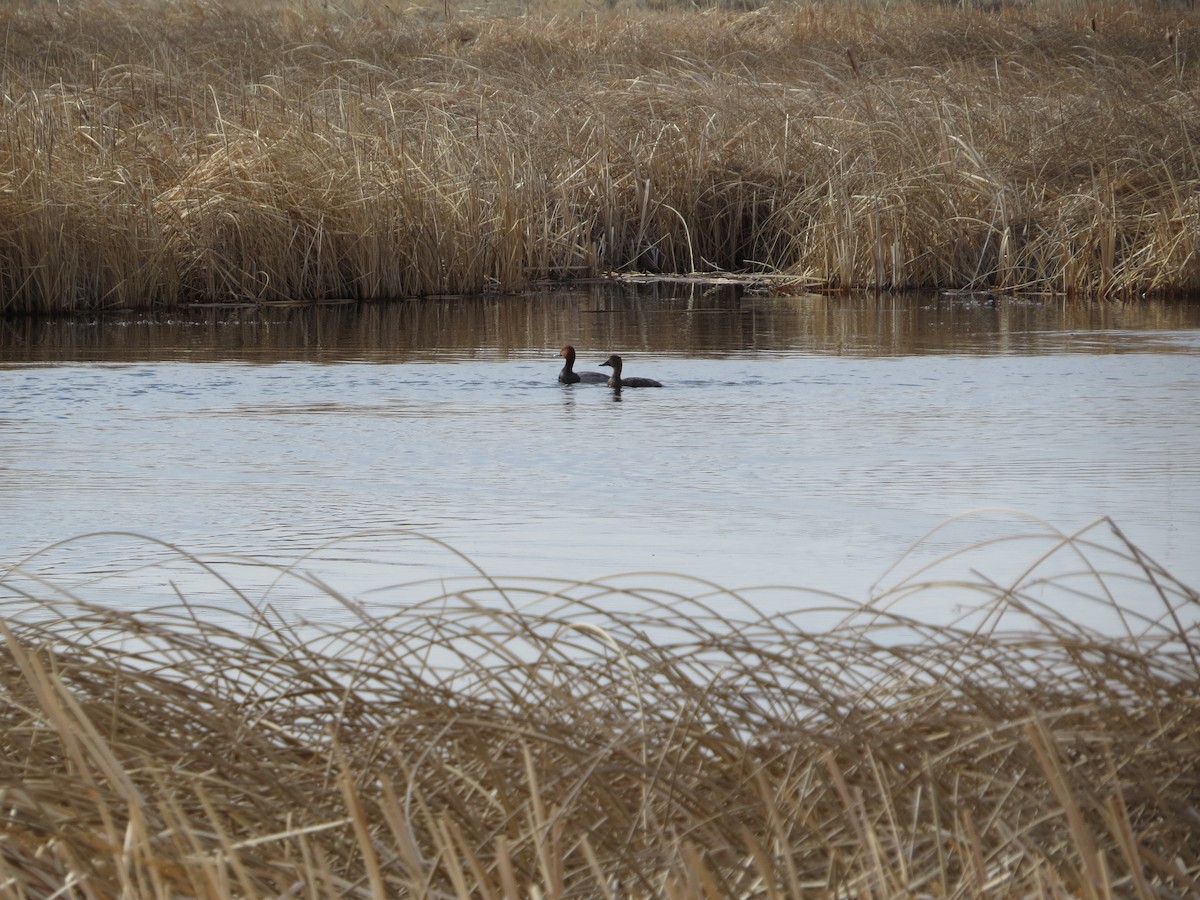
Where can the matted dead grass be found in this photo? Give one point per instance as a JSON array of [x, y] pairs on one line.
[[617, 738], [154, 153]]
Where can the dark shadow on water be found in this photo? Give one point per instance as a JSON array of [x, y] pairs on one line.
[[598, 318]]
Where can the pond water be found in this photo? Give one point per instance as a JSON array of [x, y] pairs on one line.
[[802, 441]]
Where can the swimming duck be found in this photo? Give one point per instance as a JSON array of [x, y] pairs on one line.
[[618, 382], [568, 375]]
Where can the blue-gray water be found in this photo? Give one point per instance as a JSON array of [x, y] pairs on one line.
[[797, 441]]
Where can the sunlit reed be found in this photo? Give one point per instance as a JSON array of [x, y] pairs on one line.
[[155, 153], [511, 738]]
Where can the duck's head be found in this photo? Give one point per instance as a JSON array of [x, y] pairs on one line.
[[614, 361], [567, 352]]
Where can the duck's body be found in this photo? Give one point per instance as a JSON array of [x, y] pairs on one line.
[[568, 375], [616, 381]]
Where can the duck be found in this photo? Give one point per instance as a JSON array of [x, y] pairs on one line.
[[568, 375], [616, 381]]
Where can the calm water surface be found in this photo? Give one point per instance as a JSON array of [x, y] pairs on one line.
[[798, 441]]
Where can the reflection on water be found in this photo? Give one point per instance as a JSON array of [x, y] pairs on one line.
[[804, 441], [648, 318]]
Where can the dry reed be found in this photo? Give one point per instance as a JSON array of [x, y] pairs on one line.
[[607, 739], [155, 153]]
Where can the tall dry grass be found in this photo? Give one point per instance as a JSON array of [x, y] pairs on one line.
[[605, 739], [157, 153]]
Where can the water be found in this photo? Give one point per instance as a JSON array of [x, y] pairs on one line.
[[798, 441]]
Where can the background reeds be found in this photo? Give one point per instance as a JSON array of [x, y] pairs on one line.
[[603, 739], [154, 153]]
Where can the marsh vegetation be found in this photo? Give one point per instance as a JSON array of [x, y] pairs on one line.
[[521, 738], [156, 153]]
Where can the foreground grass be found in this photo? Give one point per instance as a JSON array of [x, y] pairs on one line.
[[156, 153], [590, 740]]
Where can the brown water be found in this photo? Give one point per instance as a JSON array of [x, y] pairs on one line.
[[664, 319], [804, 441]]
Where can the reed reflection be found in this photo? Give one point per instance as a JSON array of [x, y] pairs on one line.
[[598, 318]]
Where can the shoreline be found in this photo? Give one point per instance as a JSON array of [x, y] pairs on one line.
[[467, 745], [157, 155]]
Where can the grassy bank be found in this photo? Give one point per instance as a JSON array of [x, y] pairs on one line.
[[600, 740], [158, 153]]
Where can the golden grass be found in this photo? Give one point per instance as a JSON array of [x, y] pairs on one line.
[[605, 739], [156, 153]]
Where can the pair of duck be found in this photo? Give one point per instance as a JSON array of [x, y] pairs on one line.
[[568, 375]]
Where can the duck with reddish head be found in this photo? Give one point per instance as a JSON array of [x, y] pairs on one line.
[[568, 375]]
